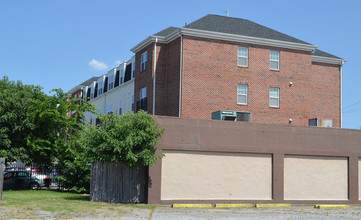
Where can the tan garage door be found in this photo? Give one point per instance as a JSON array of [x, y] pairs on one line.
[[315, 178], [205, 175]]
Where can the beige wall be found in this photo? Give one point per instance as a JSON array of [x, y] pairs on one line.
[[315, 178], [205, 175]]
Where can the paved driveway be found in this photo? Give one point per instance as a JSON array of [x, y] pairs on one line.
[[166, 213]]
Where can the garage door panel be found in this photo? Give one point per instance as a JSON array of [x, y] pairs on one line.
[[207, 175]]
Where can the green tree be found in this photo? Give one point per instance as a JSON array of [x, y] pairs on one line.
[[33, 125], [15, 100], [51, 126], [129, 138]]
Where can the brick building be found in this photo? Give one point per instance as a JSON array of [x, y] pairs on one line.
[[223, 63]]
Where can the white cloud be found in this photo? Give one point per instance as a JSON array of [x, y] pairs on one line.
[[97, 65], [117, 62]]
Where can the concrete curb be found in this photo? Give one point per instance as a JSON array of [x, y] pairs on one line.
[[331, 206], [192, 205], [272, 205], [244, 205]]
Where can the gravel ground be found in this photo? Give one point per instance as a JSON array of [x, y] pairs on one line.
[[165, 213]]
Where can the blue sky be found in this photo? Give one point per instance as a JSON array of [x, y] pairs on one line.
[[59, 44]]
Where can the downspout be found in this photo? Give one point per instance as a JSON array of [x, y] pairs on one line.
[[154, 71], [180, 74], [342, 62]]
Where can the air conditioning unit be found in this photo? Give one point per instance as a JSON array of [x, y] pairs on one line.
[[232, 116], [320, 122]]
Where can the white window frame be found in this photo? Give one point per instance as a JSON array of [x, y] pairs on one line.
[[274, 96], [275, 58], [92, 92], [143, 61], [242, 53], [121, 76], [100, 87], [110, 82], [240, 93], [143, 93]]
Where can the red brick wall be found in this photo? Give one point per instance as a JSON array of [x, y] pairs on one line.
[[144, 78], [211, 74], [326, 92], [167, 78], [210, 77]]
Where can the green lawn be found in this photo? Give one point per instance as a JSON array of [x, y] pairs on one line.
[[29, 203]]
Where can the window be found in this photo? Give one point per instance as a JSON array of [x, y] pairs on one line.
[[274, 97], [100, 88], [133, 70], [242, 56], [120, 107], [242, 94], [92, 93], [275, 60], [143, 93], [142, 103], [111, 82], [143, 61], [132, 101], [110, 109], [121, 78]]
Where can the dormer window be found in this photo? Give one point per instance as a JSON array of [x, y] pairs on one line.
[[121, 78], [111, 82], [100, 88], [92, 93]]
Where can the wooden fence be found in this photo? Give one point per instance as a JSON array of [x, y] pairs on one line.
[[118, 183]]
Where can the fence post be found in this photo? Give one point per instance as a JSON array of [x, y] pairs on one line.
[[2, 168]]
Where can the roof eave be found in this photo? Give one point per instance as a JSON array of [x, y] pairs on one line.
[[222, 36], [153, 38], [247, 39], [329, 60]]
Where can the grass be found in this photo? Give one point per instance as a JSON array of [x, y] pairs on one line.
[[56, 204]]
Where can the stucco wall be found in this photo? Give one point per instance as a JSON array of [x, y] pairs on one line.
[[325, 170], [315, 178], [207, 175]]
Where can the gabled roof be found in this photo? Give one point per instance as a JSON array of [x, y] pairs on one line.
[[239, 26], [238, 30], [166, 31]]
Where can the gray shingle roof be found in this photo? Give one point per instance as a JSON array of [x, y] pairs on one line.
[[166, 31], [239, 26], [324, 54], [86, 83]]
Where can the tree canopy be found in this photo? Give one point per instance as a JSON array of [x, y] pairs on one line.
[[129, 138], [33, 125]]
